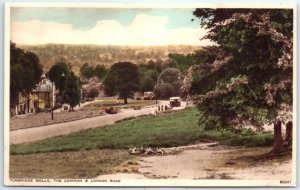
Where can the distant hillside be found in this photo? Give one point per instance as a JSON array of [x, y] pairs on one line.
[[77, 55]]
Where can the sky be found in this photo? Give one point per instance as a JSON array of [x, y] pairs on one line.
[[105, 26]]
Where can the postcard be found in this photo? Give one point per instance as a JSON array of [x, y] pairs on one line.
[[189, 95]]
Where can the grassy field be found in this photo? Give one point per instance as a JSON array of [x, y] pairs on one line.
[[118, 104], [79, 164], [167, 130]]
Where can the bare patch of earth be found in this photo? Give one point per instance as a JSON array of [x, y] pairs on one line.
[[199, 161], [209, 161], [41, 119]]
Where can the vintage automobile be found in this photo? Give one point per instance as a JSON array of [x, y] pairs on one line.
[[148, 96], [175, 102]]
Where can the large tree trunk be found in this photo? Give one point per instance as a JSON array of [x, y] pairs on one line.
[[278, 141], [289, 133]]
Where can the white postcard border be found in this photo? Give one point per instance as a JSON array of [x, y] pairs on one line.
[[142, 182]]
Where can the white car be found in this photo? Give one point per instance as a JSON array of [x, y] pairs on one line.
[[175, 102]]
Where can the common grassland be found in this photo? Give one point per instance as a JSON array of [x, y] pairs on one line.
[[166, 130], [79, 164]]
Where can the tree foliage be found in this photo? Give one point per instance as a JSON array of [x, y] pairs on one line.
[[168, 83], [148, 75], [58, 74], [25, 72], [147, 83], [165, 91], [184, 62], [88, 71], [100, 71], [250, 77], [72, 93], [92, 92], [122, 79]]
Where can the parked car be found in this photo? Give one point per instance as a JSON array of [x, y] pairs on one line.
[[175, 102], [148, 96]]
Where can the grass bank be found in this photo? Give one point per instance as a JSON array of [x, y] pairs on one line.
[[68, 165], [167, 130]]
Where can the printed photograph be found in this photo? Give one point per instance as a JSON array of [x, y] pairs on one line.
[[173, 95]]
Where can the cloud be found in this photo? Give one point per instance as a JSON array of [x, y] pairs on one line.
[[144, 30]]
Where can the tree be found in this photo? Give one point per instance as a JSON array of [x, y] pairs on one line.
[[100, 71], [170, 79], [148, 75], [86, 71], [58, 74], [89, 71], [147, 83], [25, 73], [148, 79], [123, 78], [72, 90], [150, 66], [164, 90], [250, 78], [183, 62]]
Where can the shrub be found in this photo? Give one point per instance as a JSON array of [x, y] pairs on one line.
[[92, 92]]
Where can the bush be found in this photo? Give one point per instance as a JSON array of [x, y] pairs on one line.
[[92, 92], [250, 141]]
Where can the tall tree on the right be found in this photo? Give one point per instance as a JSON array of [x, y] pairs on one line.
[[249, 79]]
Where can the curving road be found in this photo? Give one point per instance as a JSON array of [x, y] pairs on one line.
[[44, 132]]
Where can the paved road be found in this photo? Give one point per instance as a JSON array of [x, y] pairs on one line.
[[78, 107], [43, 132]]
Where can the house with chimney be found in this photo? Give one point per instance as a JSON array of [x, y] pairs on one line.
[[41, 99]]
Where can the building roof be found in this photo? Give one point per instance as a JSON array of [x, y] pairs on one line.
[[44, 86]]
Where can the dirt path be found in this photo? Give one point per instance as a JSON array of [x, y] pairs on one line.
[[207, 161], [43, 132]]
